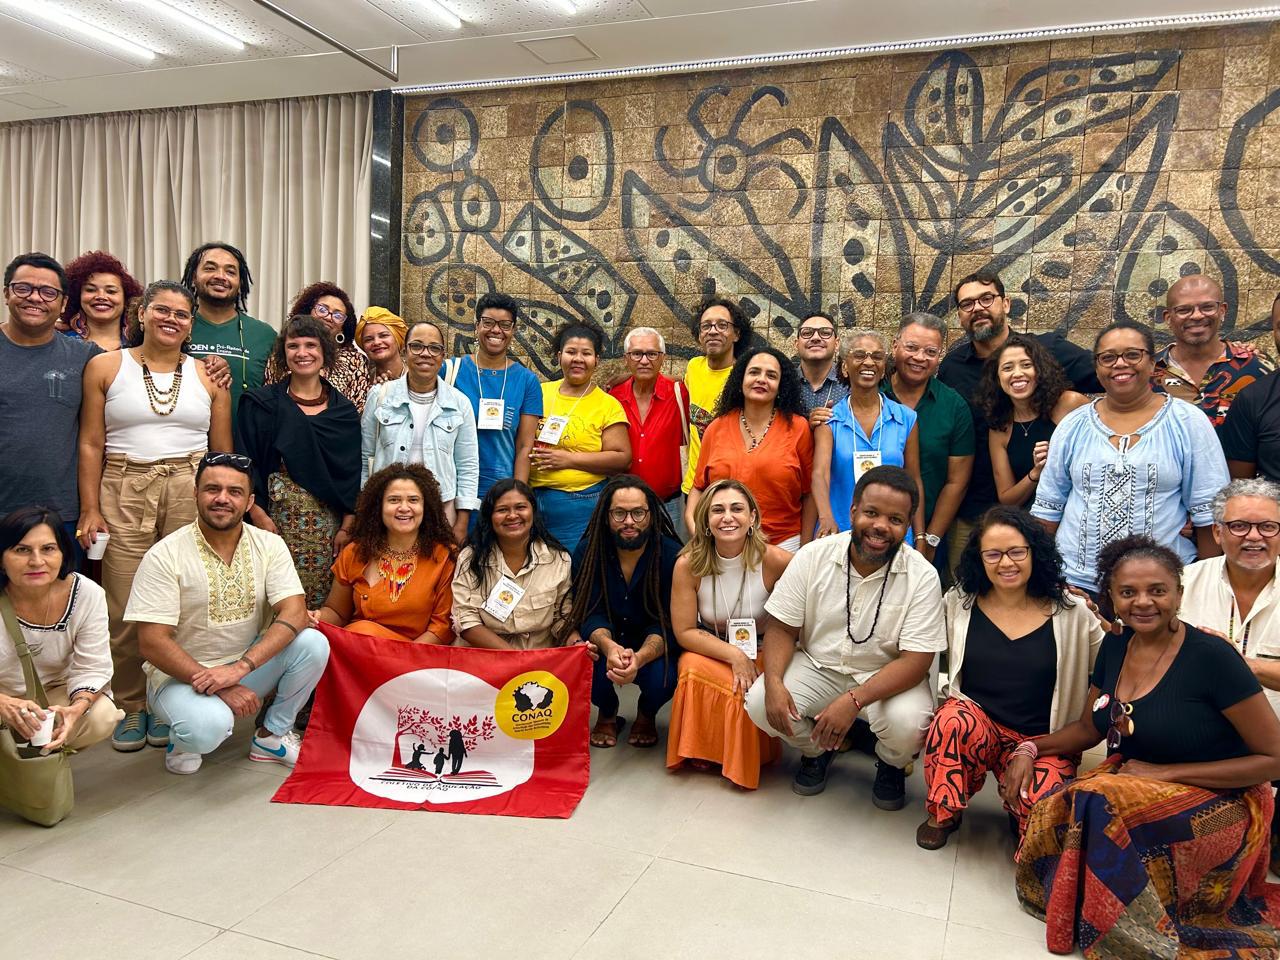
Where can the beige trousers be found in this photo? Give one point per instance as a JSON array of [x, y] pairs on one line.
[[141, 503], [97, 723]]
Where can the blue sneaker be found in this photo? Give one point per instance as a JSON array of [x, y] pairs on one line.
[[273, 749], [131, 732], [157, 732]]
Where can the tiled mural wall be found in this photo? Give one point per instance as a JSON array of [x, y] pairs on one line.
[[1090, 173]]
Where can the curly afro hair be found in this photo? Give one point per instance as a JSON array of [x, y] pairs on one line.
[[370, 535], [788, 401], [1051, 382], [1046, 581], [307, 297], [1136, 547], [86, 265]]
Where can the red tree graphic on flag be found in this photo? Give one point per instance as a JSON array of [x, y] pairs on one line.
[[428, 728]]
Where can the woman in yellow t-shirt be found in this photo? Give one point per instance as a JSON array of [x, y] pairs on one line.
[[582, 437]]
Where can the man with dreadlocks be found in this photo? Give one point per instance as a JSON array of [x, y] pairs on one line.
[[622, 599], [867, 612], [220, 277]]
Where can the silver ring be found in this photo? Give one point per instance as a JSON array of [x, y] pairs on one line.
[[23, 711]]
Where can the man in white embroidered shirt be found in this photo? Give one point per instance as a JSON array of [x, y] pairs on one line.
[[867, 612], [222, 622]]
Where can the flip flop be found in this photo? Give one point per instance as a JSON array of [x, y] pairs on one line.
[[605, 741]]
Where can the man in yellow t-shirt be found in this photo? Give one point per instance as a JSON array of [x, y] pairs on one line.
[[723, 333]]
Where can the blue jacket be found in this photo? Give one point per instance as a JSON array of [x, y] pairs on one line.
[[449, 445]]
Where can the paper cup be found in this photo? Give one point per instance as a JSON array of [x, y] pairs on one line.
[[99, 547], [42, 736]]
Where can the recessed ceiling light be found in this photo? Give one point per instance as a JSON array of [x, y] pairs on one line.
[[90, 31], [444, 13], [193, 23]]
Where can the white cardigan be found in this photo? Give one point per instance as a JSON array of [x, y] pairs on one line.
[[1077, 635]]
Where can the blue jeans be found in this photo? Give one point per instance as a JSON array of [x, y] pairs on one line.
[[567, 512], [656, 680], [198, 723]]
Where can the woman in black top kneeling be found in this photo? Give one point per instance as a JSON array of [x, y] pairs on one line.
[[1019, 653], [1161, 850]]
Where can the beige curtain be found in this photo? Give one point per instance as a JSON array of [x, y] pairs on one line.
[[286, 181]]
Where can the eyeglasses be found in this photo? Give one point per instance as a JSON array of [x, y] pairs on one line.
[[238, 460], [983, 301], [638, 515], [418, 348], [324, 313], [822, 333], [162, 312], [1110, 358], [912, 349], [1186, 311], [24, 290], [1121, 713], [1241, 528], [635, 356], [1016, 554], [715, 326], [862, 356], [488, 323]]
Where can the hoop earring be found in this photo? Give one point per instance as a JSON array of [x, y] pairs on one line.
[[340, 338], [708, 531]]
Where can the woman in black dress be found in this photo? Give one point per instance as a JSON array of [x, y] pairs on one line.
[[1024, 395]]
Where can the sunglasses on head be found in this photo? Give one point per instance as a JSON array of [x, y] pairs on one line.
[[237, 460]]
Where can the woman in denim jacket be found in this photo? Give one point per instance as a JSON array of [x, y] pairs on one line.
[[421, 419]]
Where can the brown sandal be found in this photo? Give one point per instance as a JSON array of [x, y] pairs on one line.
[[929, 837], [603, 739]]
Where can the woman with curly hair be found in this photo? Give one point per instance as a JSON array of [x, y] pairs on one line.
[[866, 429], [350, 372], [1024, 394], [304, 439], [1161, 849], [761, 437], [582, 438], [394, 579], [101, 296], [1019, 651]]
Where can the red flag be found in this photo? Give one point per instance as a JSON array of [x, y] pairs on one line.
[[412, 725]]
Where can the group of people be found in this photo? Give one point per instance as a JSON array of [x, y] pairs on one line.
[[973, 557]]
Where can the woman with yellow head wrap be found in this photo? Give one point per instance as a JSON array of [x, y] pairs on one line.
[[381, 335]]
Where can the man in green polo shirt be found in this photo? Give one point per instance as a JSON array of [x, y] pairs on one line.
[[944, 421], [220, 277]]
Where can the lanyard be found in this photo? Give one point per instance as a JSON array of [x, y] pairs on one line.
[[480, 383], [715, 616], [560, 396], [877, 431]]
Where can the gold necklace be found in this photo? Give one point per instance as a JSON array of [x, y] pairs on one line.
[[163, 402]]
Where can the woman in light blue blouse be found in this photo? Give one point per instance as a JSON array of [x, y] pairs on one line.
[[866, 429], [1132, 462]]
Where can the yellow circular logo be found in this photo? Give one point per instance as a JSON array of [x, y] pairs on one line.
[[531, 706]]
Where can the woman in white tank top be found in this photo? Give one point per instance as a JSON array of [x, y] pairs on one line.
[[149, 413], [718, 590]]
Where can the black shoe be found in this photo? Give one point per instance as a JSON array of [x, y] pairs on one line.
[[890, 789], [811, 778]]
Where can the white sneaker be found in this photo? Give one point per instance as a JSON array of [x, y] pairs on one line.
[[273, 749], [180, 762]]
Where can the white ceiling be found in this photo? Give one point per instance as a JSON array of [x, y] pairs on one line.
[[47, 69]]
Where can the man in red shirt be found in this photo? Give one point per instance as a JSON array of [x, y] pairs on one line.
[[657, 419]]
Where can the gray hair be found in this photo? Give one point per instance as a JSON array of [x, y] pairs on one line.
[[1256, 487], [919, 318], [643, 331], [850, 337]]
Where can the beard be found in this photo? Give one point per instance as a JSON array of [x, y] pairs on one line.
[[990, 332], [218, 299], [873, 557], [222, 522], [636, 542]]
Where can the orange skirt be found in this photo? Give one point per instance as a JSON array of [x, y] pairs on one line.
[[708, 722]]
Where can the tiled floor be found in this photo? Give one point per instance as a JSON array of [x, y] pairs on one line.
[[651, 865]]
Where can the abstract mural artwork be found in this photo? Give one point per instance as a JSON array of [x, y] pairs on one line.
[[1089, 175]]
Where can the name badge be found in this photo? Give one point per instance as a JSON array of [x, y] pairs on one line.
[[503, 598], [862, 462], [742, 634], [552, 430], [491, 414]]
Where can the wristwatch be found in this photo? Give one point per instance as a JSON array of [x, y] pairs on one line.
[[932, 539]]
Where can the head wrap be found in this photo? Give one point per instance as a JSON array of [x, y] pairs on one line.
[[399, 329]]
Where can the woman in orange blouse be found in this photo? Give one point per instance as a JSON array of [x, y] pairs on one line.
[[395, 578], [761, 437]]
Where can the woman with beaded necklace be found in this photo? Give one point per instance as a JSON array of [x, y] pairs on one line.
[[150, 411], [395, 578]]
